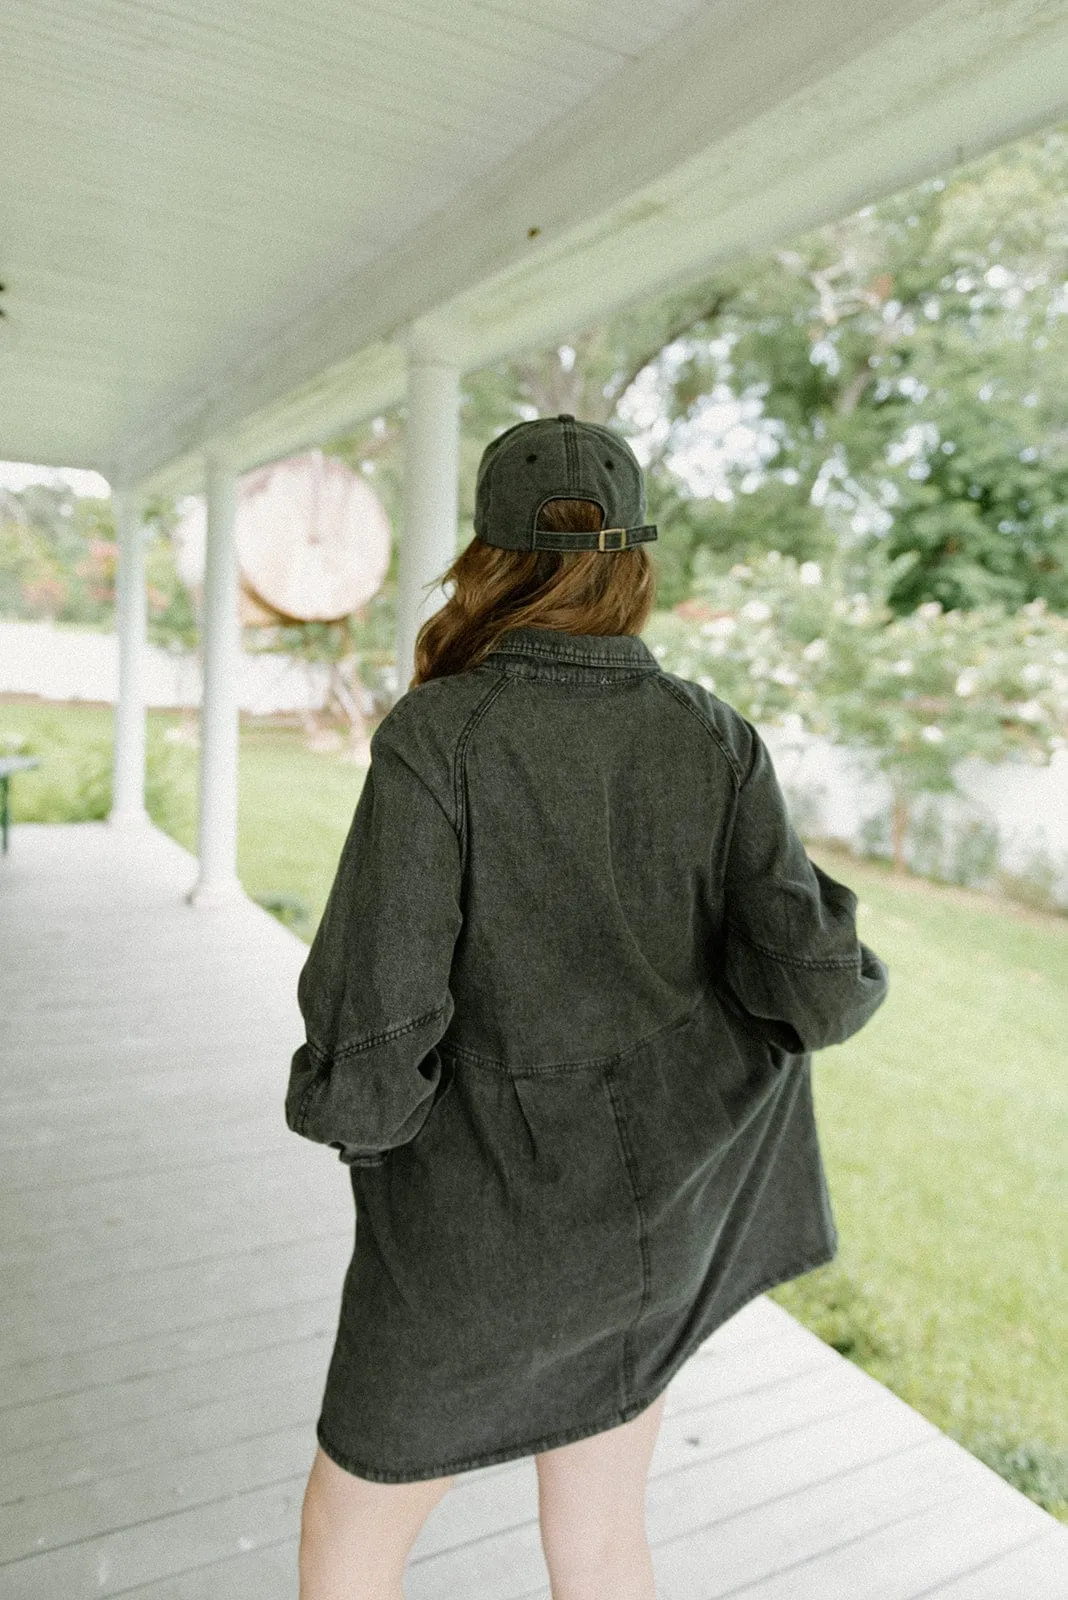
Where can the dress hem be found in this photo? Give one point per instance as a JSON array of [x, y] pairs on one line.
[[609, 1419]]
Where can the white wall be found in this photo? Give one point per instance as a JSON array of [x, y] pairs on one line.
[[61, 663], [1027, 804]]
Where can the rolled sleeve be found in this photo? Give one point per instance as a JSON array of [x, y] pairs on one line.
[[791, 958], [374, 991]]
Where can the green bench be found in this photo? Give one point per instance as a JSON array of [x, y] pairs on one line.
[[8, 765]]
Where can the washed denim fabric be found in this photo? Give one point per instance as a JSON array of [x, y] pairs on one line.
[[559, 1018]]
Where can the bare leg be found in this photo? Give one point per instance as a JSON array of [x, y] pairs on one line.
[[355, 1535], [591, 1504]]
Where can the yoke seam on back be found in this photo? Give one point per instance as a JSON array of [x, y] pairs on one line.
[[580, 1064], [459, 758], [709, 727]]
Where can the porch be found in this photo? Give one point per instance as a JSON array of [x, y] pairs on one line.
[[173, 1259]]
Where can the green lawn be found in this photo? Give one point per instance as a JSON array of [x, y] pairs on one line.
[[294, 807], [943, 1122]]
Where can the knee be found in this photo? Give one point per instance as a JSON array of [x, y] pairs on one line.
[[596, 1551], [337, 1557], [578, 1535]]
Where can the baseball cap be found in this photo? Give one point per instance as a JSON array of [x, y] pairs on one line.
[[557, 458]]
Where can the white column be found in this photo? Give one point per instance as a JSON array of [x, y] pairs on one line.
[[128, 759], [217, 821], [431, 490]]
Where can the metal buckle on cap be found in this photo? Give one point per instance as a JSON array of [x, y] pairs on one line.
[[622, 543]]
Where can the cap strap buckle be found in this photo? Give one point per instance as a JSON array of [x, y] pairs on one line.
[[622, 542]]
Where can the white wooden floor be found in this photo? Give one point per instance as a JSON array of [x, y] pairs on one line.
[[173, 1258]]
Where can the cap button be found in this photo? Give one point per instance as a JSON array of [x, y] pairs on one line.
[[564, 416]]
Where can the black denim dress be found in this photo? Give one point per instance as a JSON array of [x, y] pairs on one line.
[[559, 1013]]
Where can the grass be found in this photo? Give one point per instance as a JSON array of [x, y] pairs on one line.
[[943, 1126], [942, 1123], [294, 805]]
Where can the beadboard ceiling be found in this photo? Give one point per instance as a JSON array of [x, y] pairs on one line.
[[220, 220]]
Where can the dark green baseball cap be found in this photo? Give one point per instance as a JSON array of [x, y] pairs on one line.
[[557, 458]]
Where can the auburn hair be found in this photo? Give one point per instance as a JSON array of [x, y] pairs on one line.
[[576, 591]]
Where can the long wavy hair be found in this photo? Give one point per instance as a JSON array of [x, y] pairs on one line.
[[580, 591]]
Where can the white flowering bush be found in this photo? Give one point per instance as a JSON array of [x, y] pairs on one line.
[[756, 636], [922, 692], [786, 643]]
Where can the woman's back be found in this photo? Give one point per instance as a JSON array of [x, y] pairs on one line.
[[560, 1011], [596, 808]]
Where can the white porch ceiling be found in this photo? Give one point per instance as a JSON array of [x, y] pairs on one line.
[[218, 220]]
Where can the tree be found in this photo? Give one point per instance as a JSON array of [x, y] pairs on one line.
[[59, 559], [903, 368]]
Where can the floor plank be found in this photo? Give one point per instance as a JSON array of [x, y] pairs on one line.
[[173, 1259]]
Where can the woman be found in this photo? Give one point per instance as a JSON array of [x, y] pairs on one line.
[[560, 1012]]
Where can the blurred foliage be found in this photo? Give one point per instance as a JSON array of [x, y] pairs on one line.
[[783, 641], [890, 383], [1032, 1467], [73, 781], [58, 561], [290, 909], [895, 379], [916, 694]]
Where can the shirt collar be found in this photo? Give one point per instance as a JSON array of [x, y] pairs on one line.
[[556, 646]]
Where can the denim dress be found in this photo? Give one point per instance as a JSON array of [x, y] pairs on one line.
[[559, 1016]]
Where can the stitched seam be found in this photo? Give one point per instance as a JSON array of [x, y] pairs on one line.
[[725, 848], [380, 738], [321, 1056], [577, 657], [787, 958], [643, 1242], [495, 1064], [573, 677], [571, 454], [354, 1048], [709, 727], [590, 657], [301, 1117], [459, 758], [725, 855]]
